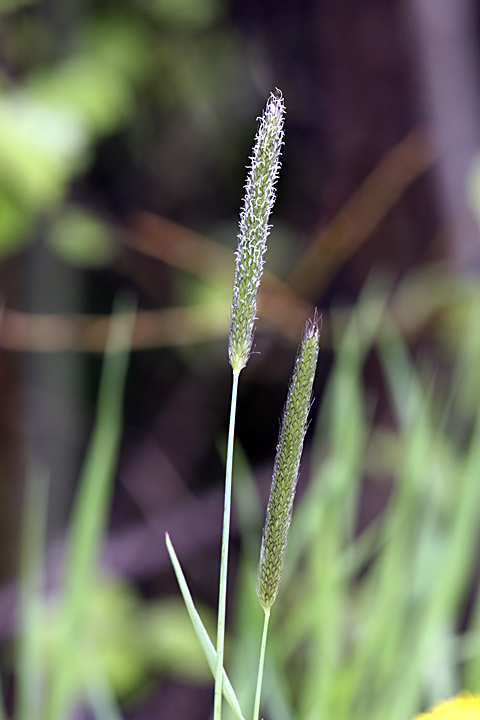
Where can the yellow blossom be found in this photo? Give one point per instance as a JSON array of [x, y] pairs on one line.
[[462, 707]]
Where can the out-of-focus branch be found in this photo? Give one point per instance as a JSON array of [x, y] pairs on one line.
[[360, 216], [34, 332], [180, 247]]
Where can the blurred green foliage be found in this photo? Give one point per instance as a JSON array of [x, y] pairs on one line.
[[73, 78], [51, 119], [134, 641], [81, 237]]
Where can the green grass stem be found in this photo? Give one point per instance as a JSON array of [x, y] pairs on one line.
[[222, 593], [258, 692]]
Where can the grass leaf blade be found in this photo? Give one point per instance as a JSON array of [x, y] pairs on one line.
[[206, 643]]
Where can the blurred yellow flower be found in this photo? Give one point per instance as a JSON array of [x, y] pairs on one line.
[[462, 707]]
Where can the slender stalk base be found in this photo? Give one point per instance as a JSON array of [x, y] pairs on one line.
[[222, 595], [256, 707]]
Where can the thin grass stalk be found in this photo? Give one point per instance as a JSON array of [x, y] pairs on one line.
[[261, 662], [222, 595]]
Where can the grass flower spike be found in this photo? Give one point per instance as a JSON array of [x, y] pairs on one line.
[[462, 707], [286, 467], [254, 229], [284, 482]]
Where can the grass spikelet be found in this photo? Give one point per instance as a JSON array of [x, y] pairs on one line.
[[286, 466], [254, 229]]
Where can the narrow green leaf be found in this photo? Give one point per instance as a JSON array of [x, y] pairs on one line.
[[206, 643], [91, 508]]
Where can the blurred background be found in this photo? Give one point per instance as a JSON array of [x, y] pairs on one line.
[[125, 129]]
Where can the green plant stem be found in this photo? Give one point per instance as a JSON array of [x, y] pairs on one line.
[[256, 707], [222, 594]]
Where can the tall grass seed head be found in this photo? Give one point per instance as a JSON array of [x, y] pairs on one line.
[[286, 467], [254, 229]]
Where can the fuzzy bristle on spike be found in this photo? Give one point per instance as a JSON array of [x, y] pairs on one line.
[[287, 464]]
